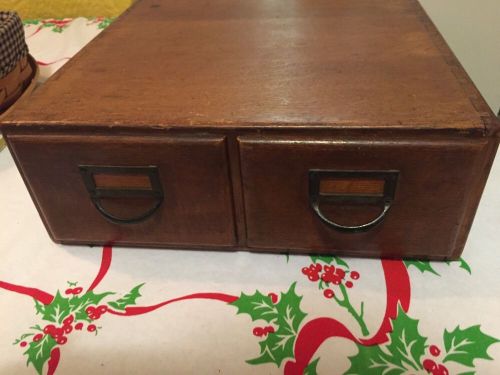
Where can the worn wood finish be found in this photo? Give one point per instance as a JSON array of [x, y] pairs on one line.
[[197, 208], [236, 102], [240, 63], [431, 193]]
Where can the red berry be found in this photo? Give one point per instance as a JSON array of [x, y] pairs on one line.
[[348, 284], [318, 267], [70, 319], [95, 315], [68, 291], [441, 370], [336, 280], [38, 337], [329, 268], [269, 329], [90, 309], [258, 331], [429, 365], [62, 340], [49, 329], [434, 350], [355, 275], [340, 273], [79, 326], [328, 293], [313, 277], [68, 328], [58, 332], [77, 290], [274, 297], [305, 271], [91, 328], [102, 309], [23, 344]]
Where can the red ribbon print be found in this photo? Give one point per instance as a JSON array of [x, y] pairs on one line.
[[107, 255], [53, 362], [35, 293], [138, 310], [309, 338]]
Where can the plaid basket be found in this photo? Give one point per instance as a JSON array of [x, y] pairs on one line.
[[12, 44]]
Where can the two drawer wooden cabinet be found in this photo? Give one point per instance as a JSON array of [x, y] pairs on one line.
[[333, 126]]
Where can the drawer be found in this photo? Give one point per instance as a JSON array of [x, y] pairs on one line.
[[130, 190], [358, 197]]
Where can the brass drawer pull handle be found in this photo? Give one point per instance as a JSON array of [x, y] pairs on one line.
[[104, 182], [352, 187]]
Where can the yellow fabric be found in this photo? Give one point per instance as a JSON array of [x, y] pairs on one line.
[[32, 9]]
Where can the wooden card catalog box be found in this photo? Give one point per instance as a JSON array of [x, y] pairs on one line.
[[335, 127]]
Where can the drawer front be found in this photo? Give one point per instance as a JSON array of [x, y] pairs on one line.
[[391, 198], [130, 190]]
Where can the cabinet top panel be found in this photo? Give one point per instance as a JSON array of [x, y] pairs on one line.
[[263, 63]]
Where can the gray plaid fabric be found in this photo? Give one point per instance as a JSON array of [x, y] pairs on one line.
[[12, 44]]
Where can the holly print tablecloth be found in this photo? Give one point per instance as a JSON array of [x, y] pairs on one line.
[[81, 310]]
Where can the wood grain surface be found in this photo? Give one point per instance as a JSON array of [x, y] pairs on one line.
[[197, 208], [238, 63]]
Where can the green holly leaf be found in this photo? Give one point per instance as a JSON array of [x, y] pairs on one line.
[[286, 315], [311, 368], [372, 360], [324, 258], [464, 346], [78, 304], [39, 307], [105, 23], [422, 265], [329, 259], [463, 264], [402, 354], [341, 262], [56, 311], [61, 307], [467, 373], [258, 306], [407, 340], [31, 22], [128, 299], [39, 352]]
